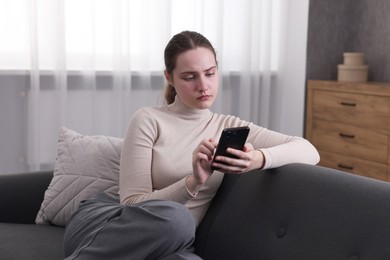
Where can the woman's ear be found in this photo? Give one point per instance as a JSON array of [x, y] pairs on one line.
[[168, 77]]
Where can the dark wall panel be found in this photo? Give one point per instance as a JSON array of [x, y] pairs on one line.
[[338, 26]]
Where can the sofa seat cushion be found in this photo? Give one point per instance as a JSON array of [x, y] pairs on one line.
[[30, 241]]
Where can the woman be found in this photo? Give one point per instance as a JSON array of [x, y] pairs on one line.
[[166, 177]]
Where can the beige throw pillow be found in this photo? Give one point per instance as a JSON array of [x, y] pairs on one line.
[[85, 166]]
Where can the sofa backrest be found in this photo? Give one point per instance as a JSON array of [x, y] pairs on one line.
[[21, 195], [297, 211]]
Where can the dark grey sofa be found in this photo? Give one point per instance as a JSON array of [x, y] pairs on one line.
[[293, 212]]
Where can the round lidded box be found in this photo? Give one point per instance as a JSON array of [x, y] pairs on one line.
[[353, 58], [353, 73], [353, 69]]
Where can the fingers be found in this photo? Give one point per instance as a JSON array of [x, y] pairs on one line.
[[227, 164], [242, 163], [243, 155], [205, 150], [244, 160], [201, 161]]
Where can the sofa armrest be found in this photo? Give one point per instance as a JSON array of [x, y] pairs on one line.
[[297, 211], [21, 195]]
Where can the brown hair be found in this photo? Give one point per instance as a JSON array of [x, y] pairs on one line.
[[182, 42]]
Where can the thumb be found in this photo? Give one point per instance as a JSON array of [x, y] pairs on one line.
[[248, 147]]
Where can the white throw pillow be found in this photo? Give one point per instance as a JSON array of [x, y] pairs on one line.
[[85, 166]]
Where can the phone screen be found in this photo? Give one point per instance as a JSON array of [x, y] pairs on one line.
[[231, 138]]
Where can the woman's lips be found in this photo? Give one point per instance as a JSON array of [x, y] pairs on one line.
[[204, 97]]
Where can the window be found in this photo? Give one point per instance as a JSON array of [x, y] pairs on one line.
[[131, 34]]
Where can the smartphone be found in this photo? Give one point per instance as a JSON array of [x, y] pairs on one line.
[[231, 138]]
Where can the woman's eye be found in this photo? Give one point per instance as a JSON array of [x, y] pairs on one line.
[[189, 78]]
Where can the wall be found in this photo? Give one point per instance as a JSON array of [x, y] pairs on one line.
[[338, 26]]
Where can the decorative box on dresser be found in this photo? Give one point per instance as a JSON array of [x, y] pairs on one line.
[[349, 124]]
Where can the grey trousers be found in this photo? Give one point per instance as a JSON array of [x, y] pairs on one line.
[[102, 228]]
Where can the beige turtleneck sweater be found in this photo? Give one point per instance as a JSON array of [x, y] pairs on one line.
[[156, 156]]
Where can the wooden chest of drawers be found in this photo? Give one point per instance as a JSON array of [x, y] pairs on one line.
[[349, 124]]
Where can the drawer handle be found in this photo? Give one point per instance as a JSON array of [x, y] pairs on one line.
[[346, 135], [342, 166], [350, 104]]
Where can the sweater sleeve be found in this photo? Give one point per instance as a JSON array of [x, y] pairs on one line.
[[135, 177], [280, 149]]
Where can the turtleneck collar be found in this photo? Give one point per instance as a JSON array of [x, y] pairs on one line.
[[186, 112]]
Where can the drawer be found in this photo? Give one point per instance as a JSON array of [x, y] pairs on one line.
[[353, 165], [350, 140], [368, 111]]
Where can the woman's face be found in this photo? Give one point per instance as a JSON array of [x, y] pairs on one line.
[[195, 78]]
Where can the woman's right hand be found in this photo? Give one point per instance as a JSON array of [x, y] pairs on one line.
[[201, 165]]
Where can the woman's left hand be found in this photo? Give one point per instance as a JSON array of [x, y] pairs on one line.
[[248, 159]]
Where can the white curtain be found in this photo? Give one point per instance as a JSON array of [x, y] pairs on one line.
[[93, 63]]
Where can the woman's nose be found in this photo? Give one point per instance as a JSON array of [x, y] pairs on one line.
[[202, 84]]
